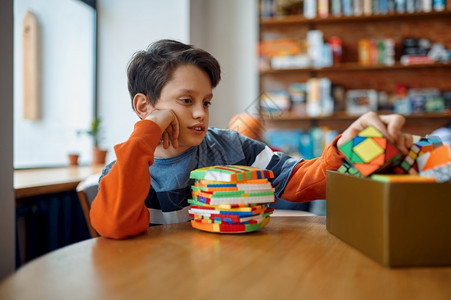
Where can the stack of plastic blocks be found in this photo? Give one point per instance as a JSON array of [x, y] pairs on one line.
[[421, 145], [370, 152], [231, 198]]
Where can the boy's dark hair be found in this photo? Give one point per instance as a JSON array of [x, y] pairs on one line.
[[148, 71]]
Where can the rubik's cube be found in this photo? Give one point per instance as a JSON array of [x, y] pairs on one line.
[[421, 146], [370, 152], [231, 198]]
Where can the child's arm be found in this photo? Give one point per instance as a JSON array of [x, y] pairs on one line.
[[118, 211], [308, 179]]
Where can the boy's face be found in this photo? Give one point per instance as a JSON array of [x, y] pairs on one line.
[[188, 94]]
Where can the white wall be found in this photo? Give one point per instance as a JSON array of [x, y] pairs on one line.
[[66, 31], [124, 28], [7, 212], [228, 29]]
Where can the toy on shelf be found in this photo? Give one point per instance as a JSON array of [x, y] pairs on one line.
[[231, 198]]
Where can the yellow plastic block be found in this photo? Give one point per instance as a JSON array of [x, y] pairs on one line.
[[370, 131], [368, 150], [402, 178]]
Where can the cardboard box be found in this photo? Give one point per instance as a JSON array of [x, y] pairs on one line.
[[396, 224]]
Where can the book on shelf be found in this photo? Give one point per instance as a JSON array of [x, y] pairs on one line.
[[410, 6], [267, 8], [400, 6], [319, 97], [391, 6], [375, 7], [280, 47], [426, 5], [358, 7], [408, 60], [439, 5], [347, 8], [301, 61], [310, 9], [383, 7], [336, 8], [323, 8], [376, 52]]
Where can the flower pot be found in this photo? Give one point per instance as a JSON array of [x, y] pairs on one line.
[[98, 156], [73, 159]]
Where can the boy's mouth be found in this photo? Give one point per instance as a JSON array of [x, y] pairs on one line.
[[198, 128]]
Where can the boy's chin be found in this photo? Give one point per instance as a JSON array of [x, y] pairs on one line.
[[190, 143]]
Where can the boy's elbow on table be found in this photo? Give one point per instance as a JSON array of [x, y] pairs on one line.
[[119, 228]]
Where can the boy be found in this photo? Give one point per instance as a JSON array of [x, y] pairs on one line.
[[171, 89]]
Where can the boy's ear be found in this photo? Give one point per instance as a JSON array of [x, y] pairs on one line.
[[142, 105]]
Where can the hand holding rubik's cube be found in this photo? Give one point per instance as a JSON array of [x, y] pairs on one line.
[[231, 199], [369, 152]]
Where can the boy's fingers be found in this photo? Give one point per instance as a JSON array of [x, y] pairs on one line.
[[404, 142], [165, 138], [400, 143], [371, 118], [389, 125], [394, 125], [175, 132]]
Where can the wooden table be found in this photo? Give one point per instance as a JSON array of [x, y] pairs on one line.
[[291, 258], [33, 182]]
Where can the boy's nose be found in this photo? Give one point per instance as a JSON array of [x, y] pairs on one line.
[[199, 111]]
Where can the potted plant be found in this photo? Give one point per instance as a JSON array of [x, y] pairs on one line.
[[98, 154], [73, 158]]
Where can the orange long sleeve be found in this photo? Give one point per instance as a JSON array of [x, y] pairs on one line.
[[308, 179], [118, 211]]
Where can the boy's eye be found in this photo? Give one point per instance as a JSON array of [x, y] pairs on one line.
[[185, 100], [207, 103]]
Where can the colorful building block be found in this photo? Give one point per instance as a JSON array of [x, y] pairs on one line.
[[230, 173], [393, 178], [347, 168], [229, 228], [437, 157], [231, 198], [421, 146], [370, 152]]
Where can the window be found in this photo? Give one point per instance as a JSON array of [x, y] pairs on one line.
[[67, 83]]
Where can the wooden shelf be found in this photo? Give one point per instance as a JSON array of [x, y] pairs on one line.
[[291, 116], [349, 67], [300, 20]]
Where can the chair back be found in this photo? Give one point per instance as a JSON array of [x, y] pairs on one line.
[[87, 191]]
